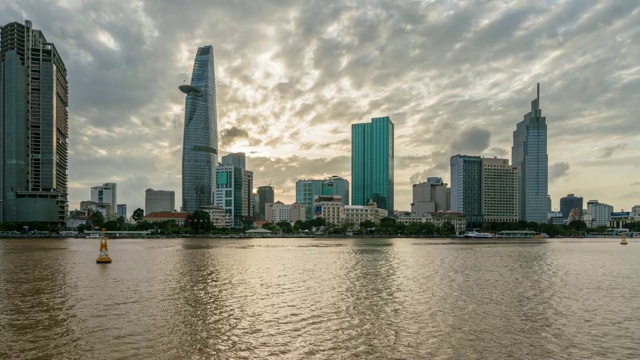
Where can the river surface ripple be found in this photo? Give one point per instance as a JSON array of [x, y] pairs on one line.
[[320, 299]]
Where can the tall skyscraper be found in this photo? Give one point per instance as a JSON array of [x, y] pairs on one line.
[[529, 155], [308, 189], [200, 144], [265, 196], [466, 188], [33, 127], [372, 156]]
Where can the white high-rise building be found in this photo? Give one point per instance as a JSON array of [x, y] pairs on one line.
[[529, 155], [600, 213], [106, 194]]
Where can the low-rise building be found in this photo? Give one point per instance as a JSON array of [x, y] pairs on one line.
[[330, 208], [179, 217], [279, 211], [355, 214], [458, 220], [555, 218], [411, 218], [217, 216], [335, 212], [620, 218]]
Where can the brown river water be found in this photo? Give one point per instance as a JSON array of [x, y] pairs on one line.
[[320, 299]]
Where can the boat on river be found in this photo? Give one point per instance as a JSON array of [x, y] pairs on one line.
[[478, 235]]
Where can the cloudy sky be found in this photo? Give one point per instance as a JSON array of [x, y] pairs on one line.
[[454, 76]]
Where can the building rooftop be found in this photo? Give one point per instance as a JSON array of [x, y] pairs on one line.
[[166, 215]]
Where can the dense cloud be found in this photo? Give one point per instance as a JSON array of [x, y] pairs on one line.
[[455, 77], [557, 171]]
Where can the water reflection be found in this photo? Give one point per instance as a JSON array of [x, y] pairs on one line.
[[498, 308], [207, 312], [371, 302], [35, 304], [318, 298]]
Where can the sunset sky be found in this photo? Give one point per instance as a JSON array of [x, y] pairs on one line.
[[292, 76]]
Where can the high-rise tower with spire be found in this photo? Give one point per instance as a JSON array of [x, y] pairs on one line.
[[529, 155]]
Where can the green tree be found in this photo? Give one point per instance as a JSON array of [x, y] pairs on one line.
[[318, 222], [82, 228], [269, 226], [367, 226], [111, 225], [632, 226], [447, 229], [578, 225], [138, 215], [387, 226], [96, 219], [198, 221], [285, 226]]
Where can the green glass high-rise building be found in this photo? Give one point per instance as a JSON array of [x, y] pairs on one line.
[[372, 156]]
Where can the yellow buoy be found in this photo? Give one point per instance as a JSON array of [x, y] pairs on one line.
[[624, 239], [103, 258]]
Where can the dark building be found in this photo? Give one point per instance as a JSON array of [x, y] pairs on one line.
[[265, 196], [466, 188], [33, 127], [569, 203]]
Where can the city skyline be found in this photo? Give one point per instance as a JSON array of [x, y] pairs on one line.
[[292, 78]]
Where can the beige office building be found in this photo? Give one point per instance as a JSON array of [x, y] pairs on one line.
[[500, 184]]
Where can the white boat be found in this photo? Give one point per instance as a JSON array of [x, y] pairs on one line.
[[92, 236], [476, 235]]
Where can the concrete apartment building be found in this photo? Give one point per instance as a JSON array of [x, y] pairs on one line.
[[430, 196], [159, 201], [500, 186], [106, 194], [600, 213]]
